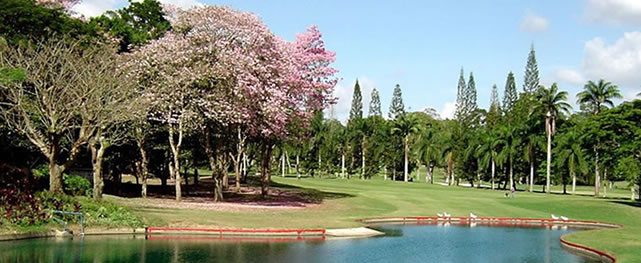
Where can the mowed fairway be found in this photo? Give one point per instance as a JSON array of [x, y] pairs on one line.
[[345, 201]]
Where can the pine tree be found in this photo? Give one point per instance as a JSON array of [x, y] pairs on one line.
[[531, 81], [494, 98], [357, 103], [470, 96], [397, 108], [494, 113], [509, 96], [460, 97], [375, 104]]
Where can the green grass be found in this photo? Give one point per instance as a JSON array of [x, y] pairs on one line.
[[345, 201]]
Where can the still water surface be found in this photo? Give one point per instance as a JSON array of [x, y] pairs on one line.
[[405, 243]]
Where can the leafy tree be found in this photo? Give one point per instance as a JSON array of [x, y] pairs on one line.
[[356, 111], [596, 97], [494, 113], [470, 97], [67, 94], [460, 97], [509, 95], [488, 152], [405, 126], [509, 140], [135, 24], [552, 104], [533, 142], [571, 156], [27, 20], [429, 149], [630, 169], [397, 108], [375, 104], [531, 81]]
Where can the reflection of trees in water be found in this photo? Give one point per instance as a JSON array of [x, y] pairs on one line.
[[137, 249]]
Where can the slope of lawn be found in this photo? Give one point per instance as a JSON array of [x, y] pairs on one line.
[[345, 201]]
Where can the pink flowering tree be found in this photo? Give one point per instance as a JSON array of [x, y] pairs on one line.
[[223, 71]]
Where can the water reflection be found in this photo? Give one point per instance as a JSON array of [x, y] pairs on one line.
[[404, 243]]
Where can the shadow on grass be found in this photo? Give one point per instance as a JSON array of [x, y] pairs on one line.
[[629, 203], [280, 194]]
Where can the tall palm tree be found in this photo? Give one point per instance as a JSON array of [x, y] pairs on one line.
[[405, 126], [508, 141], [488, 152], [571, 154], [597, 97], [532, 143], [428, 151], [552, 103]]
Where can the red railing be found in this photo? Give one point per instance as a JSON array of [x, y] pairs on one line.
[[600, 253], [226, 231]]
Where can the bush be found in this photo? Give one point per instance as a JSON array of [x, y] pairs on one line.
[[77, 185], [104, 213], [18, 204]]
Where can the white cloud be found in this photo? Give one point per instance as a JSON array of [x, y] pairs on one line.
[[91, 8], [616, 12], [447, 112], [569, 76], [534, 23], [619, 62]]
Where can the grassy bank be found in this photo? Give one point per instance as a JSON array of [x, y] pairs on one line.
[[345, 201]]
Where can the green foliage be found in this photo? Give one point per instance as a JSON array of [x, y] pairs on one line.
[[104, 213], [531, 81], [375, 104], [597, 97], [25, 20], [397, 108], [466, 106], [510, 95], [135, 24], [356, 111], [77, 185], [40, 171], [629, 168]]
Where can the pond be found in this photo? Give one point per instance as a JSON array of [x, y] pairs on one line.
[[404, 243]]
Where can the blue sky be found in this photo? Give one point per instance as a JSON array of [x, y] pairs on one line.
[[422, 45]]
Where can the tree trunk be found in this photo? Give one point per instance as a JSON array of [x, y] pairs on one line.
[[175, 150], [343, 166], [549, 158], [363, 160], [493, 172], [573, 182], [605, 180], [431, 171], [597, 179], [264, 175], [405, 168], [55, 170], [282, 158], [289, 164], [97, 153], [531, 177], [212, 157], [478, 174], [297, 166], [319, 163], [512, 175]]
